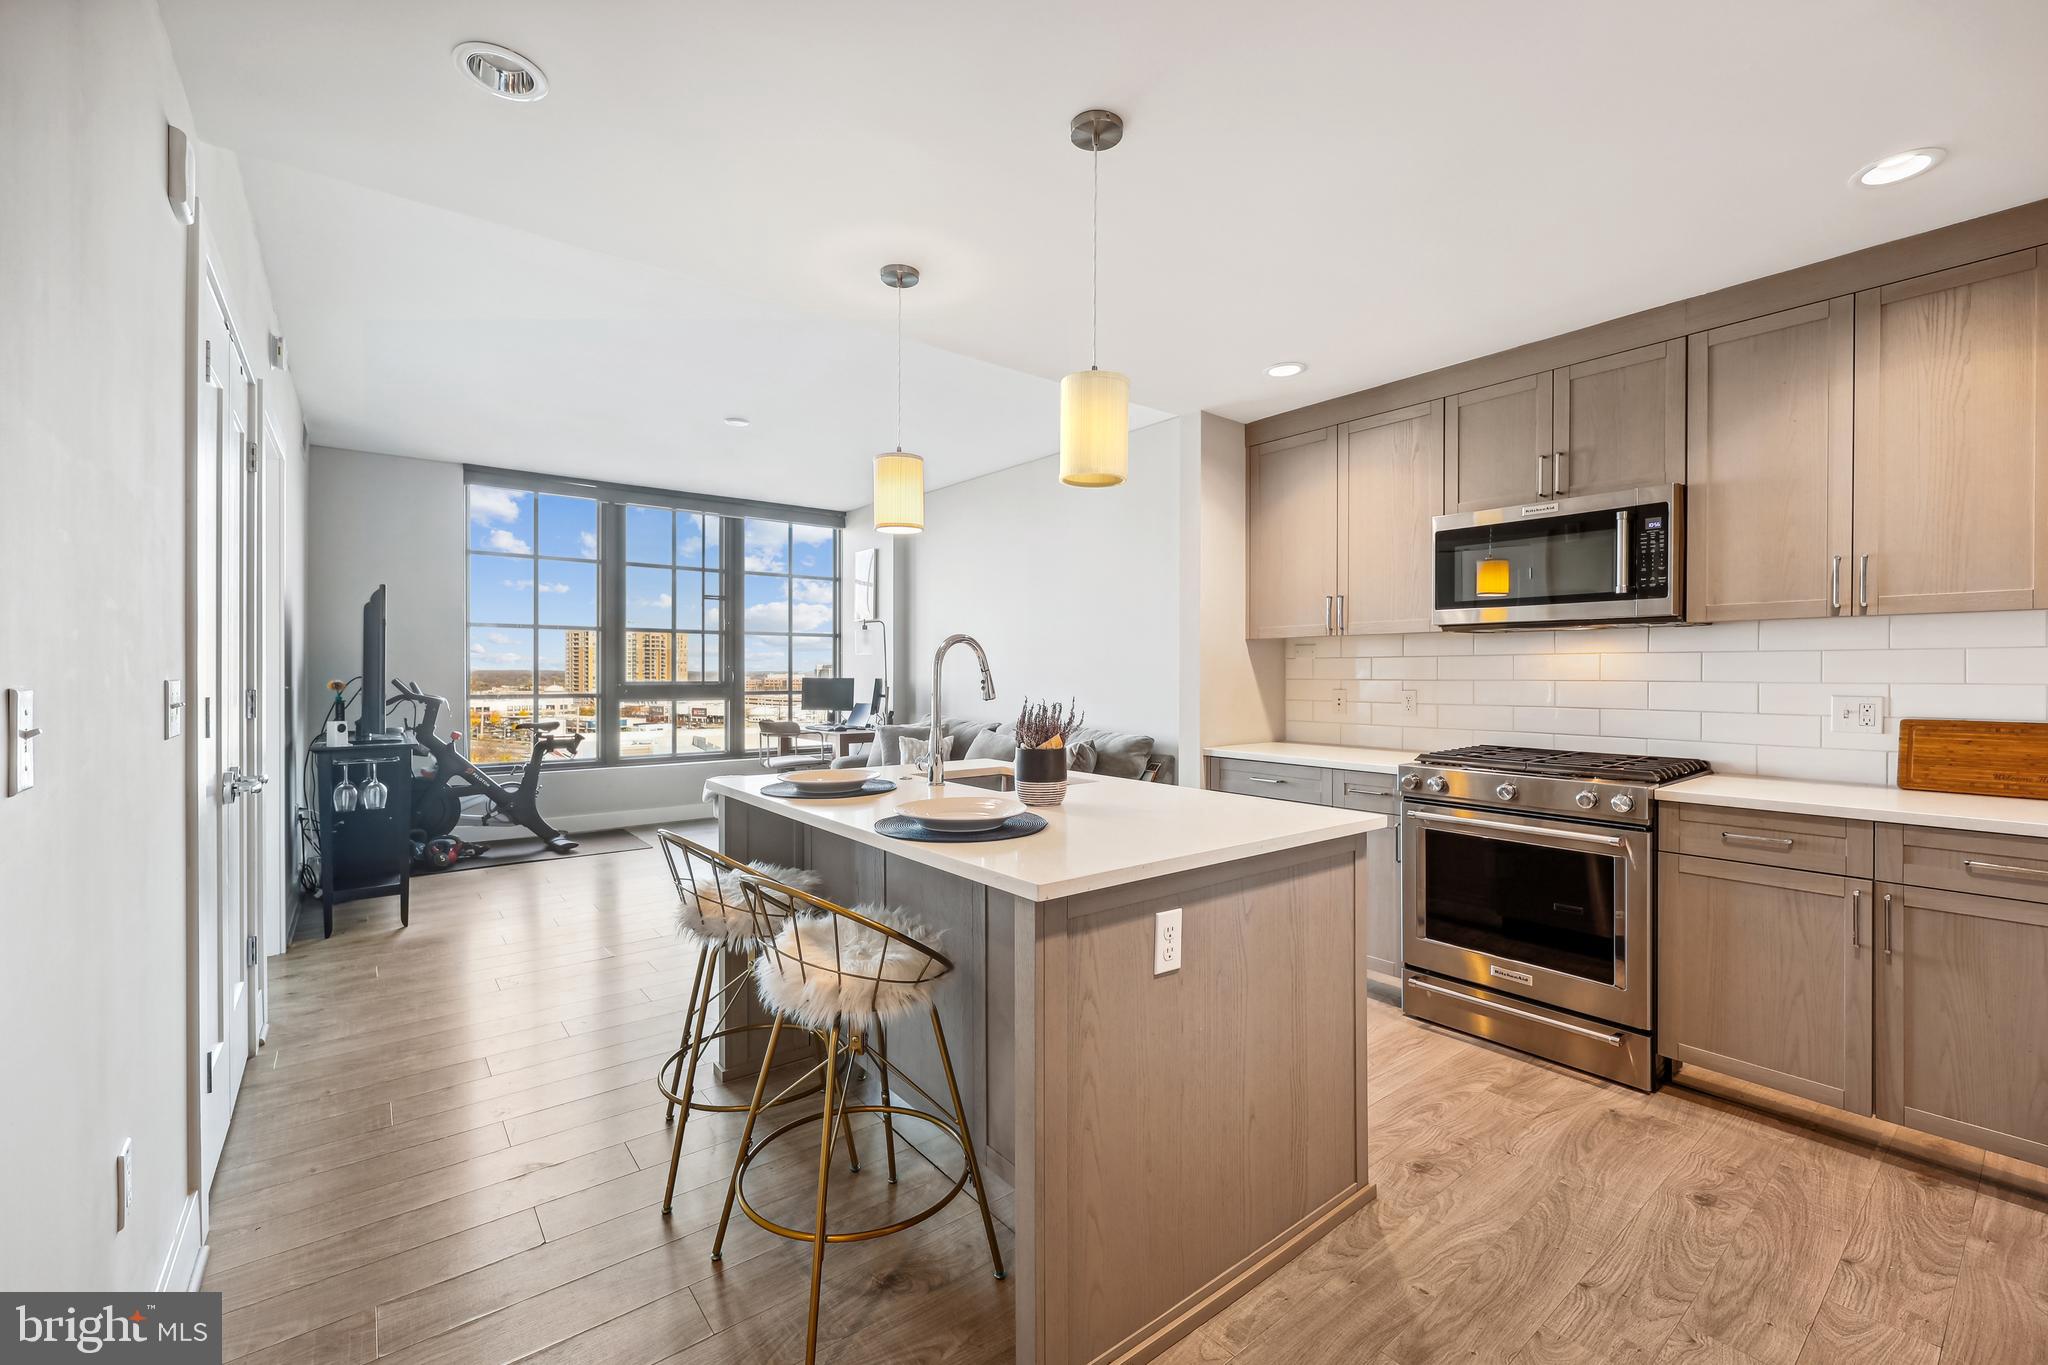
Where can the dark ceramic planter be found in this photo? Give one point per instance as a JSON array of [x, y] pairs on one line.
[[1041, 776]]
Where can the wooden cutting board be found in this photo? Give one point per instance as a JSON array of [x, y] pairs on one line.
[[1978, 757]]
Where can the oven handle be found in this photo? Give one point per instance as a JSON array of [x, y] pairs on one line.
[[1571, 836], [1611, 1039]]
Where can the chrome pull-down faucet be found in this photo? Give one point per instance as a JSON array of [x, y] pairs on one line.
[[988, 693]]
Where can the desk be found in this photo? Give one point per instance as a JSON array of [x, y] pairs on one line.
[[842, 740]]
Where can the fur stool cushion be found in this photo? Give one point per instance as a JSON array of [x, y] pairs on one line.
[[706, 918], [840, 963]]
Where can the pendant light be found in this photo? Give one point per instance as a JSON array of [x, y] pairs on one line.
[[1095, 404], [899, 478]]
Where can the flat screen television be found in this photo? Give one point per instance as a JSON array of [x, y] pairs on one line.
[[370, 720], [828, 694]]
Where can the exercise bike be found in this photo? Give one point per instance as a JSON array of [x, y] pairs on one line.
[[436, 797]]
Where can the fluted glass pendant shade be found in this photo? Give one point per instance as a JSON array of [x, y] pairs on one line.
[[1095, 428], [899, 494]]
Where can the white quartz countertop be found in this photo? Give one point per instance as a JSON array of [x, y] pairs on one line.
[[1109, 831], [1850, 801], [1344, 756]]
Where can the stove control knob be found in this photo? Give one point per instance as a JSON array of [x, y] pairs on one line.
[[1505, 791], [1410, 782], [1623, 803], [1436, 784], [1585, 800]]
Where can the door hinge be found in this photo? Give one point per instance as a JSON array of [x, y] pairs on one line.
[[252, 950]]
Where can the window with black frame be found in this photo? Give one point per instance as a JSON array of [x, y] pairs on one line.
[[606, 610]]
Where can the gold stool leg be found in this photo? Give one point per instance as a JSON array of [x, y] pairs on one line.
[[888, 1120], [689, 1013], [988, 1222], [688, 1091], [746, 1136], [825, 1145], [846, 1128]]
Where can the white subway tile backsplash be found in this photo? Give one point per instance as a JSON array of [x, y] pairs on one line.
[[1663, 667], [2007, 666], [1604, 694], [1826, 632], [1746, 696], [1977, 630], [1788, 731], [1703, 696], [2005, 701], [1651, 724], [1892, 665], [1777, 665]]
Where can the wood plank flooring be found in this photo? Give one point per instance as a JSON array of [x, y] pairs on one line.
[[452, 1151]]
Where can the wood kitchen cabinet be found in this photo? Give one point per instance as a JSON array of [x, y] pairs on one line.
[[1965, 1020], [1770, 459], [1291, 546], [1391, 472], [1951, 500], [1766, 973], [1598, 426]]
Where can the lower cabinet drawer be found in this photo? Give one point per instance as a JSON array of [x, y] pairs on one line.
[[1810, 843], [1363, 791], [1957, 860], [1286, 781]]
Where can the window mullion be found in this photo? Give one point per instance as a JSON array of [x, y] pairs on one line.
[[611, 621]]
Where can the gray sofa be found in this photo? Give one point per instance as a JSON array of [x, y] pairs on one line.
[[1109, 753]]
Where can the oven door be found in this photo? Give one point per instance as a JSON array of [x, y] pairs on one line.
[[1544, 909], [1614, 557]]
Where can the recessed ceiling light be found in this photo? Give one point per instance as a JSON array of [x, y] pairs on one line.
[[1900, 166], [502, 71], [737, 422], [1287, 369]]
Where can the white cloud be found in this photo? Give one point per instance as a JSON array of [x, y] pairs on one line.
[[809, 616], [504, 541], [811, 535], [494, 504], [519, 584], [767, 616], [554, 587], [589, 542], [811, 590]]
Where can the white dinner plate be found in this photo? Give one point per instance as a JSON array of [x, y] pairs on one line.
[[827, 779], [961, 814]]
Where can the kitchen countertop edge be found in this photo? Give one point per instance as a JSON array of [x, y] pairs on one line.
[[1849, 801]]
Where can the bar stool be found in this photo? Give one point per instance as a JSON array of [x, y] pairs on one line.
[[712, 911], [845, 973]]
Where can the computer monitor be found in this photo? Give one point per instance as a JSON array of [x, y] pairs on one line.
[[370, 721], [832, 695]]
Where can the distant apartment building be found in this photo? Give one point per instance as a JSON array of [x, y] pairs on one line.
[[580, 650], [647, 656]]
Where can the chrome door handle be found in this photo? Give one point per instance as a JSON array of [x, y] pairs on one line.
[[2034, 874], [1563, 479], [1611, 1039], [1835, 585], [1855, 918], [1760, 840], [1504, 827], [1863, 584], [1621, 523], [1887, 926]]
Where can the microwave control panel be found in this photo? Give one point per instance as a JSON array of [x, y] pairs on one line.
[[1653, 553]]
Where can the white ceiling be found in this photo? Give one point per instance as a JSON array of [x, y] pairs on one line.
[[690, 224]]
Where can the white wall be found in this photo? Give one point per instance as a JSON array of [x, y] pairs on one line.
[[1751, 697], [401, 522], [864, 651], [1073, 592], [92, 422]]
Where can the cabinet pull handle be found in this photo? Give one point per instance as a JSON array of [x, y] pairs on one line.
[[1563, 481], [2032, 874], [1887, 926], [1759, 840], [1542, 468], [1863, 584], [1855, 918], [1269, 781], [1340, 613], [1835, 585], [1328, 600]]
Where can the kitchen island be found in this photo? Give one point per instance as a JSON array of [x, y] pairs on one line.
[[1170, 1139]]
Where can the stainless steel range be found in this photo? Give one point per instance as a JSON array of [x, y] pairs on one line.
[[1526, 897]]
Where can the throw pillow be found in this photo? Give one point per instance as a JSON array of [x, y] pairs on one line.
[[993, 744]]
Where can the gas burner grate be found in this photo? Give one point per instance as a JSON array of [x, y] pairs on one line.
[[1508, 758]]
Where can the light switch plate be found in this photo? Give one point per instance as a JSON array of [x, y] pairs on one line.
[[1166, 942], [174, 707], [21, 740]]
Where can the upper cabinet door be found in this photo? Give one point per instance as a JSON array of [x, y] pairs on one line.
[[1771, 451], [1620, 422], [1292, 548], [1952, 440], [1497, 445], [1392, 470]]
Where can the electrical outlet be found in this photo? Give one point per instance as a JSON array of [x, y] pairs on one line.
[[1856, 715], [124, 1177], [1166, 942], [1410, 700]]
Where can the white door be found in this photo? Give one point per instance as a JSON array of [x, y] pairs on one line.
[[220, 690]]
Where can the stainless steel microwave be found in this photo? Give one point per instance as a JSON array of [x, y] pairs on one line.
[[1604, 559]]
